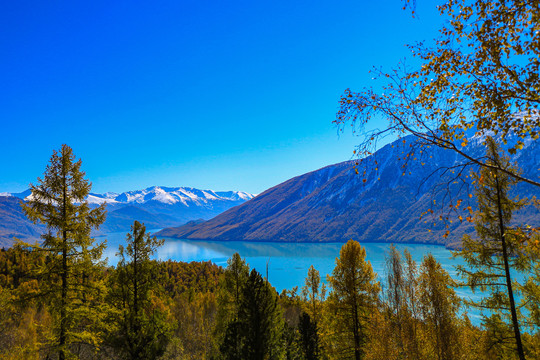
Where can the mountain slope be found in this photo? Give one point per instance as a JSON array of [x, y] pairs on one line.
[[335, 204], [13, 223]]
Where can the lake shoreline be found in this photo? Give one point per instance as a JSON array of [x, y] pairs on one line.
[[450, 247]]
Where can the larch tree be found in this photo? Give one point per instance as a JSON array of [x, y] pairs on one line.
[[314, 293], [352, 298], [69, 276], [531, 288], [439, 306], [142, 329], [496, 251]]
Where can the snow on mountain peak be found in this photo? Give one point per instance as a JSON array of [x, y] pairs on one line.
[[184, 195], [161, 194]]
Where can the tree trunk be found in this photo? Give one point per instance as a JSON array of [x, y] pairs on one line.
[[356, 332], [63, 320], [502, 229]]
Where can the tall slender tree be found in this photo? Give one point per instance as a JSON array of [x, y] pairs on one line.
[[439, 305], [496, 250], [314, 293], [401, 302], [58, 201], [143, 330], [396, 299], [229, 298], [354, 292]]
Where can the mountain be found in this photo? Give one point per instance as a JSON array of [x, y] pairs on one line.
[[156, 207], [13, 223], [384, 204]]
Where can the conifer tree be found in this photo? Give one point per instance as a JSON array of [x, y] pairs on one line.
[[439, 305], [496, 250], [531, 288], [69, 275], [229, 299], [354, 292], [142, 327], [258, 330], [261, 320], [314, 293], [309, 337]]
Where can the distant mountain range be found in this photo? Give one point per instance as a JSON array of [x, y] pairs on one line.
[[335, 203], [156, 207]]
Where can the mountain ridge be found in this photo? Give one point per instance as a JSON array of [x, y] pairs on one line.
[[156, 206], [384, 204]]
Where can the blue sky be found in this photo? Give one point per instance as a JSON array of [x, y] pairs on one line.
[[223, 95]]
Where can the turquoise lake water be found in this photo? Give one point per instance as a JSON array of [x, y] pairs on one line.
[[288, 263]]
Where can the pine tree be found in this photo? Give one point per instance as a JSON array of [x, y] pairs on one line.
[[309, 337], [142, 327], [257, 333], [261, 320], [353, 296], [69, 276], [496, 251]]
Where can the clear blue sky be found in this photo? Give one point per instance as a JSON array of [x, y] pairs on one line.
[[223, 95]]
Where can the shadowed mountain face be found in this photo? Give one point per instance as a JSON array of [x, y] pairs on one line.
[[156, 207], [13, 223], [382, 205]]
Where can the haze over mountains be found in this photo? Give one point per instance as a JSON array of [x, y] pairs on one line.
[[156, 207], [335, 204]]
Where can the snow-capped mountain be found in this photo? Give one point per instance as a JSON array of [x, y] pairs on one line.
[[167, 195], [156, 206]]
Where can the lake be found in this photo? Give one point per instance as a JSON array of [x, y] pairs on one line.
[[288, 263]]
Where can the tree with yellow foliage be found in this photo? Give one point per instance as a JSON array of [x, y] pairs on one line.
[[352, 298], [480, 75]]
